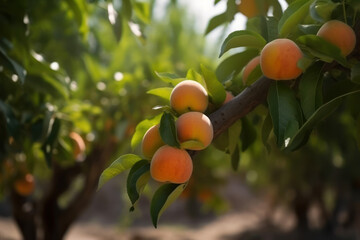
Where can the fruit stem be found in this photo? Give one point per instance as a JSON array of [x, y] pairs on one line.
[[344, 11]]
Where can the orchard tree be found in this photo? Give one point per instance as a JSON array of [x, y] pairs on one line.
[[295, 78]]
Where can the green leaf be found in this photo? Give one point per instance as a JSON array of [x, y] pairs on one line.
[[248, 134], [355, 73], [321, 10], [269, 28], [141, 129], [310, 89], [13, 65], [192, 144], [169, 78], [168, 130], [194, 75], [164, 92], [78, 8], [232, 65], [215, 22], [142, 11], [284, 110], [163, 198], [215, 89], [126, 9], [234, 135], [323, 49], [293, 16], [265, 131], [49, 143], [121, 164], [254, 75], [309, 28], [242, 38], [320, 114], [235, 158], [138, 177]]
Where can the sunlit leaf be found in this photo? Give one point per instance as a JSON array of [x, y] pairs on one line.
[[141, 128], [192, 144], [234, 135], [242, 38], [142, 11], [293, 16], [169, 77], [215, 22], [138, 177], [321, 10], [121, 164], [163, 198], [164, 92], [215, 89]]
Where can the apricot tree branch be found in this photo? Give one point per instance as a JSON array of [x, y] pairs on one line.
[[240, 105]]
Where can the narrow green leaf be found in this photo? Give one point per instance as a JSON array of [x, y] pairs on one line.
[[48, 145], [215, 22], [163, 198], [78, 8], [168, 130], [310, 83], [192, 144], [265, 131], [164, 92], [215, 89], [323, 49], [232, 65], [169, 78], [320, 114], [242, 38], [138, 177], [310, 28], [355, 73], [234, 135], [321, 10], [235, 158], [293, 16], [141, 129], [142, 11], [13, 65], [126, 9], [121, 164], [284, 110], [248, 134], [269, 26], [194, 75]]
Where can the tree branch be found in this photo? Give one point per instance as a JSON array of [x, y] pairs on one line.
[[240, 105]]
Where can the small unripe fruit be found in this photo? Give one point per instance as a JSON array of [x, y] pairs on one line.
[[151, 141], [340, 34], [252, 64], [189, 96], [170, 164], [279, 58], [194, 126]]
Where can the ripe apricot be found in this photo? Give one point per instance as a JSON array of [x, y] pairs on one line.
[[151, 141], [340, 34], [279, 58], [228, 97], [170, 164], [188, 96], [252, 64], [79, 145], [194, 126], [25, 185], [250, 8]]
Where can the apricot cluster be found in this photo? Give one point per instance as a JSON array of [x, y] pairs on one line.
[[189, 99]]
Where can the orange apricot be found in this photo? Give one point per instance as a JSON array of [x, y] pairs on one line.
[[340, 34], [228, 97], [170, 164], [194, 126], [187, 96], [252, 64], [25, 185], [279, 58], [251, 9], [151, 141]]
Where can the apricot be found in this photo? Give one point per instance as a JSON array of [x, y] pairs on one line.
[[25, 185], [252, 64], [279, 58], [151, 141], [228, 97], [170, 164], [340, 34], [250, 8], [78, 145], [188, 96], [194, 126]]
